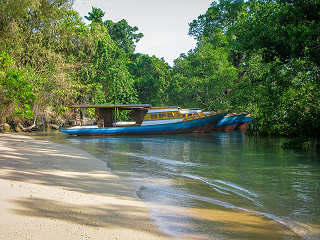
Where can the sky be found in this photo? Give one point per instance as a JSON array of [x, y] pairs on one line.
[[164, 23]]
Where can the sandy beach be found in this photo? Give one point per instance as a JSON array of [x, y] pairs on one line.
[[52, 191]]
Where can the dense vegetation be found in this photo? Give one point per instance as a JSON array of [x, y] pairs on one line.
[[261, 57]]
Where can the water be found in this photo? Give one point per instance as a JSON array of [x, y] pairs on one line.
[[217, 186]]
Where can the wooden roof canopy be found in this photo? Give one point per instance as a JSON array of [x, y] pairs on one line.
[[105, 112], [115, 106]]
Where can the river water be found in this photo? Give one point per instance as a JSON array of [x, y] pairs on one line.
[[217, 186]]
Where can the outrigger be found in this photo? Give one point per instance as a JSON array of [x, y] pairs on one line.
[[146, 120]]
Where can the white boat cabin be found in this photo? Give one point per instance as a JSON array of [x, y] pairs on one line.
[[140, 115]]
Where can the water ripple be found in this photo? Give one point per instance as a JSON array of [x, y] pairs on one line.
[[156, 159], [226, 190]]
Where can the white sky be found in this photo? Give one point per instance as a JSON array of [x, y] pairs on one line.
[[164, 23]]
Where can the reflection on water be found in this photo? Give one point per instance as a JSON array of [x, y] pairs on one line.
[[218, 186]]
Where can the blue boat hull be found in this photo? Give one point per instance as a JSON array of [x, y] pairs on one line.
[[231, 123], [204, 124]]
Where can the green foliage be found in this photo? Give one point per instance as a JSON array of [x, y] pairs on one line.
[[280, 71], [51, 59], [16, 95], [108, 67], [123, 34], [281, 29], [206, 76], [152, 76], [220, 16], [283, 97], [96, 15]]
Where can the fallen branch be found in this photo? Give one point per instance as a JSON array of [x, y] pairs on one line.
[[27, 129]]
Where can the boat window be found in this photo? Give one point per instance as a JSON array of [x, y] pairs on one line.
[[170, 115], [154, 116], [162, 115]]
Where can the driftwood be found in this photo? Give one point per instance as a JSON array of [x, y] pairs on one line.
[[30, 128], [27, 129]]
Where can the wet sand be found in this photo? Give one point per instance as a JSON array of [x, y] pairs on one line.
[[52, 191]]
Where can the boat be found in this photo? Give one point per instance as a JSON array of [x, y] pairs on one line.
[[244, 123], [234, 121], [146, 120]]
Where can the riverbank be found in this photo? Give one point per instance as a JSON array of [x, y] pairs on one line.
[[54, 191]]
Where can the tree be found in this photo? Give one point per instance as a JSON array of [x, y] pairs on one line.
[[16, 95], [206, 76], [96, 15], [151, 78], [216, 27], [280, 84], [107, 66], [121, 32], [124, 35], [220, 16], [284, 29]]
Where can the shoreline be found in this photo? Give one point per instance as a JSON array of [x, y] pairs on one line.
[[55, 191]]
